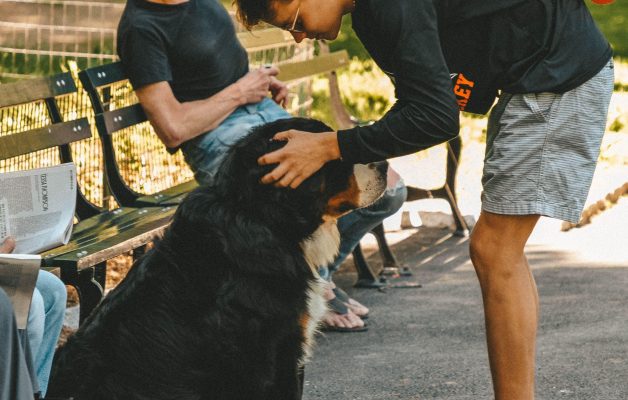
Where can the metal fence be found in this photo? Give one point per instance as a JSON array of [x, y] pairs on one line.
[[37, 37]]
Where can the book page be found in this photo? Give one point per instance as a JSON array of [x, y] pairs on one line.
[[37, 207]]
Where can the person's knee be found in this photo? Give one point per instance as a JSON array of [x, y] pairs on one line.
[[390, 202], [53, 291], [394, 199], [480, 252], [490, 251], [36, 321]]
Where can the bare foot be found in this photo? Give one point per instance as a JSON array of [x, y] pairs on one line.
[[334, 319], [358, 308]]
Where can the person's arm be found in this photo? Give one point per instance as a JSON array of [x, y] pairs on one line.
[[144, 54], [425, 114], [176, 122]]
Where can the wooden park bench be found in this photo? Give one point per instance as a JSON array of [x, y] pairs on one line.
[[126, 146], [36, 132], [117, 120]]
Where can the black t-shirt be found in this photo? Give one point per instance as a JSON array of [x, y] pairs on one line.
[[192, 45], [481, 46]]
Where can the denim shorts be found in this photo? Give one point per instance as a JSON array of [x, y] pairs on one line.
[[542, 149], [205, 153]]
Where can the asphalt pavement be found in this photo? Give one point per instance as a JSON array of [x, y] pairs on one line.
[[429, 343]]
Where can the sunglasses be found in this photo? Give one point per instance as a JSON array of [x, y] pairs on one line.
[[293, 28]]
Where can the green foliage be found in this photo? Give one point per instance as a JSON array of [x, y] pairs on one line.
[[348, 40], [612, 20], [366, 91]]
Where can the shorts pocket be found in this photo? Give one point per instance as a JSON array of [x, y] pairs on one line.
[[540, 104]]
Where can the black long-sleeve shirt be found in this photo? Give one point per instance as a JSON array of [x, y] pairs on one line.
[[518, 46]]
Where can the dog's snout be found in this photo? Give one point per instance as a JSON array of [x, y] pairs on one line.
[[380, 166]]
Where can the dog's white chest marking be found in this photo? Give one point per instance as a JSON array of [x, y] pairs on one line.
[[322, 247], [319, 250]]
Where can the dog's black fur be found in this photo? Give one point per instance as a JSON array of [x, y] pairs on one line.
[[215, 310]]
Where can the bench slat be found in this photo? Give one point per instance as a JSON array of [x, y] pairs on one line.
[[170, 196], [112, 241], [318, 65], [103, 75], [264, 39], [36, 89], [121, 118], [43, 138]]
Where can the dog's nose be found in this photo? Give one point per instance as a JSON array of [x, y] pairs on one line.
[[381, 166]]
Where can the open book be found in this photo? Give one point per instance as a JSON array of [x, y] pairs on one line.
[[37, 207], [37, 210]]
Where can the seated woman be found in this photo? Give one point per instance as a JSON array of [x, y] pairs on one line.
[[17, 375], [45, 320]]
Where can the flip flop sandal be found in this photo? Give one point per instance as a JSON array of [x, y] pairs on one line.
[[344, 297], [341, 308]]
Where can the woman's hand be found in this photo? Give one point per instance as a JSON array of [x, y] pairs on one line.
[[279, 90], [255, 85], [7, 246], [303, 155]]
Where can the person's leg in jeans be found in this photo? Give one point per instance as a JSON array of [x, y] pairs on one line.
[[352, 228], [45, 321], [355, 225], [204, 154], [15, 378]]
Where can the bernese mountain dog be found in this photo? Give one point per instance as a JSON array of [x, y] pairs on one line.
[[226, 304]]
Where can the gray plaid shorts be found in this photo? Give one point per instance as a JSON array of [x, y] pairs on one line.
[[542, 148]]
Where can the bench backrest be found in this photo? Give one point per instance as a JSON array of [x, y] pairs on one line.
[[136, 163], [34, 132]]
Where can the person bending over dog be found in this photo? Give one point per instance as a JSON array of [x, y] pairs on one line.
[[226, 305], [555, 73], [192, 78]]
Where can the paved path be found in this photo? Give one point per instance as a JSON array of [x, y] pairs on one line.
[[429, 343]]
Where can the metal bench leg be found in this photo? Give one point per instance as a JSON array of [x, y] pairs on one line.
[[100, 274], [139, 252], [90, 292], [448, 190], [366, 277], [391, 266]]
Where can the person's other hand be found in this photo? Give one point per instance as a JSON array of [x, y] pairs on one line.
[[7, 246], [254, 86], [303, 155], [279, 90]]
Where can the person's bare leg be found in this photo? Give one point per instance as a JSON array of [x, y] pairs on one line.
[[510, 301]]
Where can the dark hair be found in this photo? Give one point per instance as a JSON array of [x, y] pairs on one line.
[[251, 12]]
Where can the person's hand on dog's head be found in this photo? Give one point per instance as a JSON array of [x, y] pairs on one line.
[[7, 246], [303, 155]]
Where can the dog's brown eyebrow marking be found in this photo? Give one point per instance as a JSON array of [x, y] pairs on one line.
[[350, 196]]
